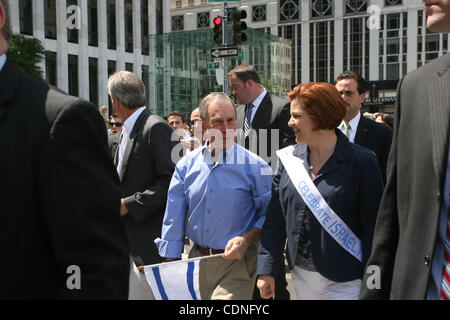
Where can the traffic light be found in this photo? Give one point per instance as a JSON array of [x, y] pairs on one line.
[[239, 26], [218, 30]]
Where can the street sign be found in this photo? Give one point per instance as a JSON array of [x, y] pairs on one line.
[[213, 65], [224, 52]]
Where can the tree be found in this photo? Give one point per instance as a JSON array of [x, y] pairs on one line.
[[27, 53]]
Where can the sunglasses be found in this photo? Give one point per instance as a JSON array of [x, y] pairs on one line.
[[117, 124]]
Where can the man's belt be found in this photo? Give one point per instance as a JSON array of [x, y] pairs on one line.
[[206, 251]]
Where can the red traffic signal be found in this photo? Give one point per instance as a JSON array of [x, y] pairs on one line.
[[218, 23]]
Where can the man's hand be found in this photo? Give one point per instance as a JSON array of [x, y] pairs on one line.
[[123, 208], [236, 249], [266, 286]]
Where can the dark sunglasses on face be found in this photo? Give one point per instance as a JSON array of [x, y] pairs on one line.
[[117, 124]]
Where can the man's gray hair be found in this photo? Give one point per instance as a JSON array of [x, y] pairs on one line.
[[213, 97], [7, 31], [127, 88]]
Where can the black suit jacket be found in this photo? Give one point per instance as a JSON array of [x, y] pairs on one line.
[[147, 169], [376, 137], [60, 196], [351, 183], [407, 223], [273, 115]]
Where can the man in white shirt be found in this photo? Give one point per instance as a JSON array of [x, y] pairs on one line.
[[360, 130]]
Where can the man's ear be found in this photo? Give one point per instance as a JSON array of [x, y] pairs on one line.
[[362, 97]]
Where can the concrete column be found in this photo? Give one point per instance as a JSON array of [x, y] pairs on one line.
[[83, 53], [102, 50], [62, 66]]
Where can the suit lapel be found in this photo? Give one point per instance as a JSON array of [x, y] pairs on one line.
[[131, 141], [362, 130], [439, 101], [9, 78], [263, 108]]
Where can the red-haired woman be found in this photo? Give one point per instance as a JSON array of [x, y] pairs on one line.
[[328, 242]]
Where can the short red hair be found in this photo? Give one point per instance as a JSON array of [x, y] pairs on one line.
[[322, 102]]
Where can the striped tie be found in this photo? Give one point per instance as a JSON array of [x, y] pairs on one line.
[[445, 288], [347, 129], [248, 116]]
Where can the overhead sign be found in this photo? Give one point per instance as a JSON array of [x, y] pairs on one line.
[[224, 52]]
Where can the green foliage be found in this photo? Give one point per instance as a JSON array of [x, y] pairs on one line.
[[27, 53]]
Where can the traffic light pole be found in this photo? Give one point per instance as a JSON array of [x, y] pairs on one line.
[[226, 87]]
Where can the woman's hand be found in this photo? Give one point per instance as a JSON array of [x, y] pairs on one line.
[[266, 286]]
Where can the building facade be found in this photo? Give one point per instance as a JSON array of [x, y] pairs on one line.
[[381, 39], [87, 40]]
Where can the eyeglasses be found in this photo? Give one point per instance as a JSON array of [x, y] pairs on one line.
[[117, 124]]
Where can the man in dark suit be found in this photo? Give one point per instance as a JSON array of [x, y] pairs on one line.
[[412, 224], [144, 164], [262, 123], [360, 130], [267, 129], [61, 235]]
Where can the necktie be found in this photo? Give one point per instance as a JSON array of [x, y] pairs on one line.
[[347, 129], [445, 288], [248, 116]]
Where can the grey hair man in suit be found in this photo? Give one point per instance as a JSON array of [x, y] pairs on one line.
[[410, 255], [61, 236], [261, 117], [359, 129], [144, 164]]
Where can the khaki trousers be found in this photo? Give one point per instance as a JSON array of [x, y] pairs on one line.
[[222, 279]]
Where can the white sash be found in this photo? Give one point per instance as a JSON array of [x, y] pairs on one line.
[[329, 220]]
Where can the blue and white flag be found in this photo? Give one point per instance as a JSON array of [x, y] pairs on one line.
[[176, 280]]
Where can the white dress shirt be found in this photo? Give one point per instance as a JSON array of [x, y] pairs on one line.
[[125, 135], [256, 104], [353, 127]]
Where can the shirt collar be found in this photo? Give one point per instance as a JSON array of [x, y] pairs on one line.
[[2, 61], [259, 99], [353, 123], [229, 153], [129, 123]]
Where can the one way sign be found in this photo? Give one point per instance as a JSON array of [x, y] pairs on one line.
[[224, 52]]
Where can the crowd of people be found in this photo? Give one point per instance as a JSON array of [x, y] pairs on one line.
[[309, 179]]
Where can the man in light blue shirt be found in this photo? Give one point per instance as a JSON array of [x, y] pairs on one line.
[[218, 197]]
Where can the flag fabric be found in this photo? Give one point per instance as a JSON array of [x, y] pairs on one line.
[[176, 280]]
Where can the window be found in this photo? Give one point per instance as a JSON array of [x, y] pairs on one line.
[[93, 80], [355, 6], [73, 75], [259, 13], [177, 23], [50, 19], [129, 26], [72, 34], [388, 3], [92, 23], [50, 67], [321, 8], [356, 46], [111, 17], [289, 10], [203, 20], [26, 17], [144, 27]]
